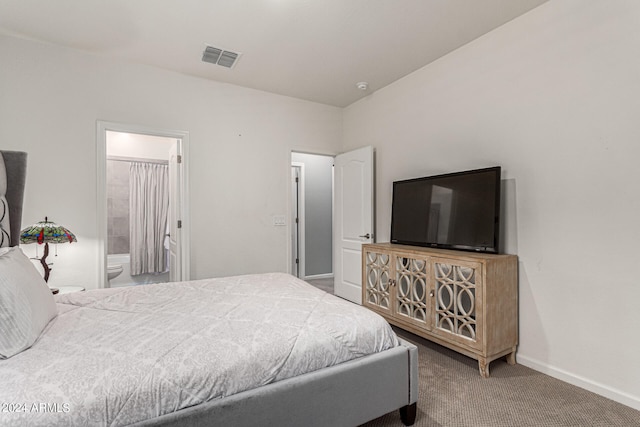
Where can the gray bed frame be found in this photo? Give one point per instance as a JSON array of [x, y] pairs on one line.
[[348, 394]]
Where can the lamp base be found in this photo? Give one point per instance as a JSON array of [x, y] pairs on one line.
[[43, 261]]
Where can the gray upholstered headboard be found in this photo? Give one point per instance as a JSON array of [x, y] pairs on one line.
[[15, 163]]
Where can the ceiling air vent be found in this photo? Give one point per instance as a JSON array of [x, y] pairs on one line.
[[220, 57]]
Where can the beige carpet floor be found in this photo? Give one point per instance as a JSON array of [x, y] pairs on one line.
[[452, 394]]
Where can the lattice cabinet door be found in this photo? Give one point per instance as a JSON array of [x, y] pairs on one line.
[[413, 290], [377, 274], [458, 301]]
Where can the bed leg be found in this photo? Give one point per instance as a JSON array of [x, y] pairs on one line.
[[408, 414]]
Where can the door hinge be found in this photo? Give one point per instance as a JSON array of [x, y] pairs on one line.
[[296, 220], [297, 179], [179, 159], [179, 223], [297, 261]]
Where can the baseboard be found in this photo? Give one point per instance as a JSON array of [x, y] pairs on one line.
[[578, 381], [319, 276]]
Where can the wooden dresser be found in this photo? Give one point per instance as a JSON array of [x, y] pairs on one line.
[[465, 301]]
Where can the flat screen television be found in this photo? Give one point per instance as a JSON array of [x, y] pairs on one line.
[[454, 211]]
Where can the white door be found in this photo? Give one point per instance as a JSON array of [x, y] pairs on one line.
[[175, 222], [353, 219]]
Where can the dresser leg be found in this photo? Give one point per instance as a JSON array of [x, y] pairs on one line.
[[483, 365], [511, 357]]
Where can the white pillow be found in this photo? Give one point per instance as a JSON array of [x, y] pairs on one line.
[[26, 303]]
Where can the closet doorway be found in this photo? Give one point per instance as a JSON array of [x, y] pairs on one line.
[[332, 215], [142, 189], [311, 216]]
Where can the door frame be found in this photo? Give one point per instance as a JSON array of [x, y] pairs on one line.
[[101, 190], [300, 226]]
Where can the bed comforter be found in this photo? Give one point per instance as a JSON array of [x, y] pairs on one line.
[[118, 356]]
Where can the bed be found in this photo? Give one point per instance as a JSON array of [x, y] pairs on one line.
[[266, 349]]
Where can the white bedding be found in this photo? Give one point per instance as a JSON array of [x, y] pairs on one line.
[[118, 356]]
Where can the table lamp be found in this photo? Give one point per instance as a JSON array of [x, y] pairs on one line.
[[44, 232]]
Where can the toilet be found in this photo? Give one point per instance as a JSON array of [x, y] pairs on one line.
[[113, 271]]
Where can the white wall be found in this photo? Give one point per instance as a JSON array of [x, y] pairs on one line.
[[554, 98], [240, 147]]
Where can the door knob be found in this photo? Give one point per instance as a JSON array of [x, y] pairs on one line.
[[366, 236]]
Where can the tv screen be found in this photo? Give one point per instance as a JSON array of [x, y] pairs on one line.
[[455, 211]]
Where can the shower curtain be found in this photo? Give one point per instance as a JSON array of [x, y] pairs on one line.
[[149, 208]]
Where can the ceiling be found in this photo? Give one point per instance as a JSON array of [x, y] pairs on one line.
[[316, 50]]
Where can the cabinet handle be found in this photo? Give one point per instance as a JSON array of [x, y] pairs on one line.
[[431, 294]]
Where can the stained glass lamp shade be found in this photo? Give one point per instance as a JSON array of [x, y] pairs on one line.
[[44, 232]]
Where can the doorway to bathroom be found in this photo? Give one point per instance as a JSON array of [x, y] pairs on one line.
[[142, 189]]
